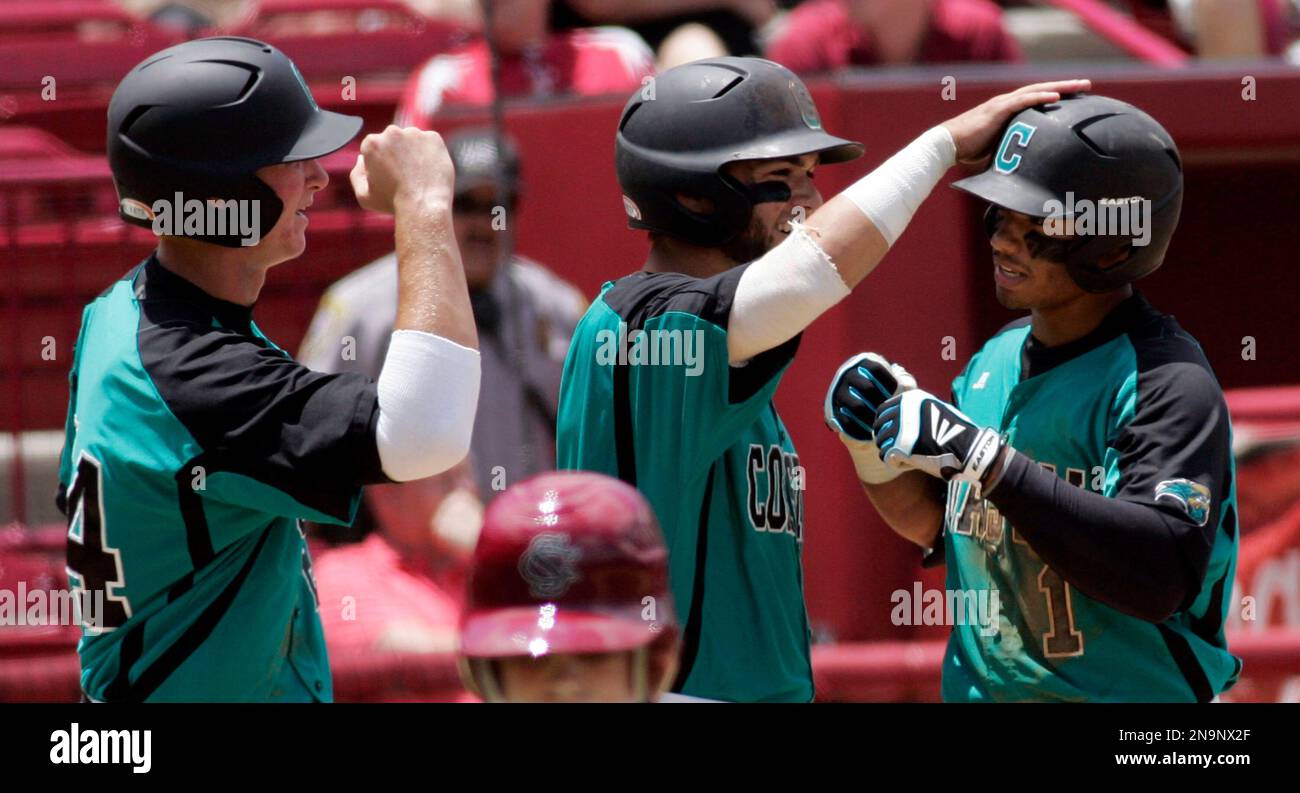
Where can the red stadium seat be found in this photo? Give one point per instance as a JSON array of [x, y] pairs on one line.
[[53, 17], [19, 143], [49, 678], [31, 560], [338, 38]]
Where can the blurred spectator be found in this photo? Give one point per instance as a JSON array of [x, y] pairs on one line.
[[1234, 29], [1207, 28], [678, 30], [192, 16], [821, 35], [400, 589], [534, 63], [181, 18], [1223, 29], [525, 317]]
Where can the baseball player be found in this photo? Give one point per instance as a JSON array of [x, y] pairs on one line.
[[568, 596], [669, 380], [1086, 448], [194, 443]]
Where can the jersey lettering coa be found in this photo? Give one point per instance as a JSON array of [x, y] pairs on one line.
[[1131, 411], [193, 445], [648, 395]]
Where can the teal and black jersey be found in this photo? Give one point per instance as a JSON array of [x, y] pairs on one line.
[[1131, 412], [648, 395], [193, 446]]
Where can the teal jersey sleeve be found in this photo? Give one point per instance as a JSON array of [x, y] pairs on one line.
[[269, 433]]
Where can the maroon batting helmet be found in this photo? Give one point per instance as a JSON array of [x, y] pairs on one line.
[[569, 562]]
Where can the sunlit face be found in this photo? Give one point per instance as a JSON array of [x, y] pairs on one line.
[[769, 223], [296, 184], [482, 247], [564, 677], [1022, 280]]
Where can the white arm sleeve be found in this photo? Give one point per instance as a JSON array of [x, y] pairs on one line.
[[892, 193], [428, 395], [780, 294]]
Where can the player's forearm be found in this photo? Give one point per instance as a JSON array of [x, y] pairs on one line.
[[429, 385], [432, 295], [782, 292], [912, 505], [1132, 557], [857, 227]]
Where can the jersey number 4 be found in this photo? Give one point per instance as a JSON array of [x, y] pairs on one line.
[[97, 568]]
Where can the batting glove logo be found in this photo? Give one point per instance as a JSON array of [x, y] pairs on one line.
[[941, 447]]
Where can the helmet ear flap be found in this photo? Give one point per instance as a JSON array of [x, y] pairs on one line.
[[255, 211], [732, 208], [1142, 260], [1084, 270]]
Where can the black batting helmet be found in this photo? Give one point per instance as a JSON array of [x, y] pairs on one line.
[[677, 132], [201, 117], [1091, 149]]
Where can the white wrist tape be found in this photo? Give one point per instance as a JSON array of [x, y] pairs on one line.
[[866, 461], [780, 294], [892, 193], [428, 395]]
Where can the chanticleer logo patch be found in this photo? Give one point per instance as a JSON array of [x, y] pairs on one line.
[[1193, 497]]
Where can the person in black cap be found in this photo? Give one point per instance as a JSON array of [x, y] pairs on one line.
[[525, 316], [194, 445]]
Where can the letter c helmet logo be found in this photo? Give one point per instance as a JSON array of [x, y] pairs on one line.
[[1018, 135]]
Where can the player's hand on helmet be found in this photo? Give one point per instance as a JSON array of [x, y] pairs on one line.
[[917, 430], [978, 130], [858, 388], [403, 164]]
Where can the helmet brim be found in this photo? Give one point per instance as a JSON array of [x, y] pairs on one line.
[[530, 631], [326, 133], [1011, 192], [798, 143]]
